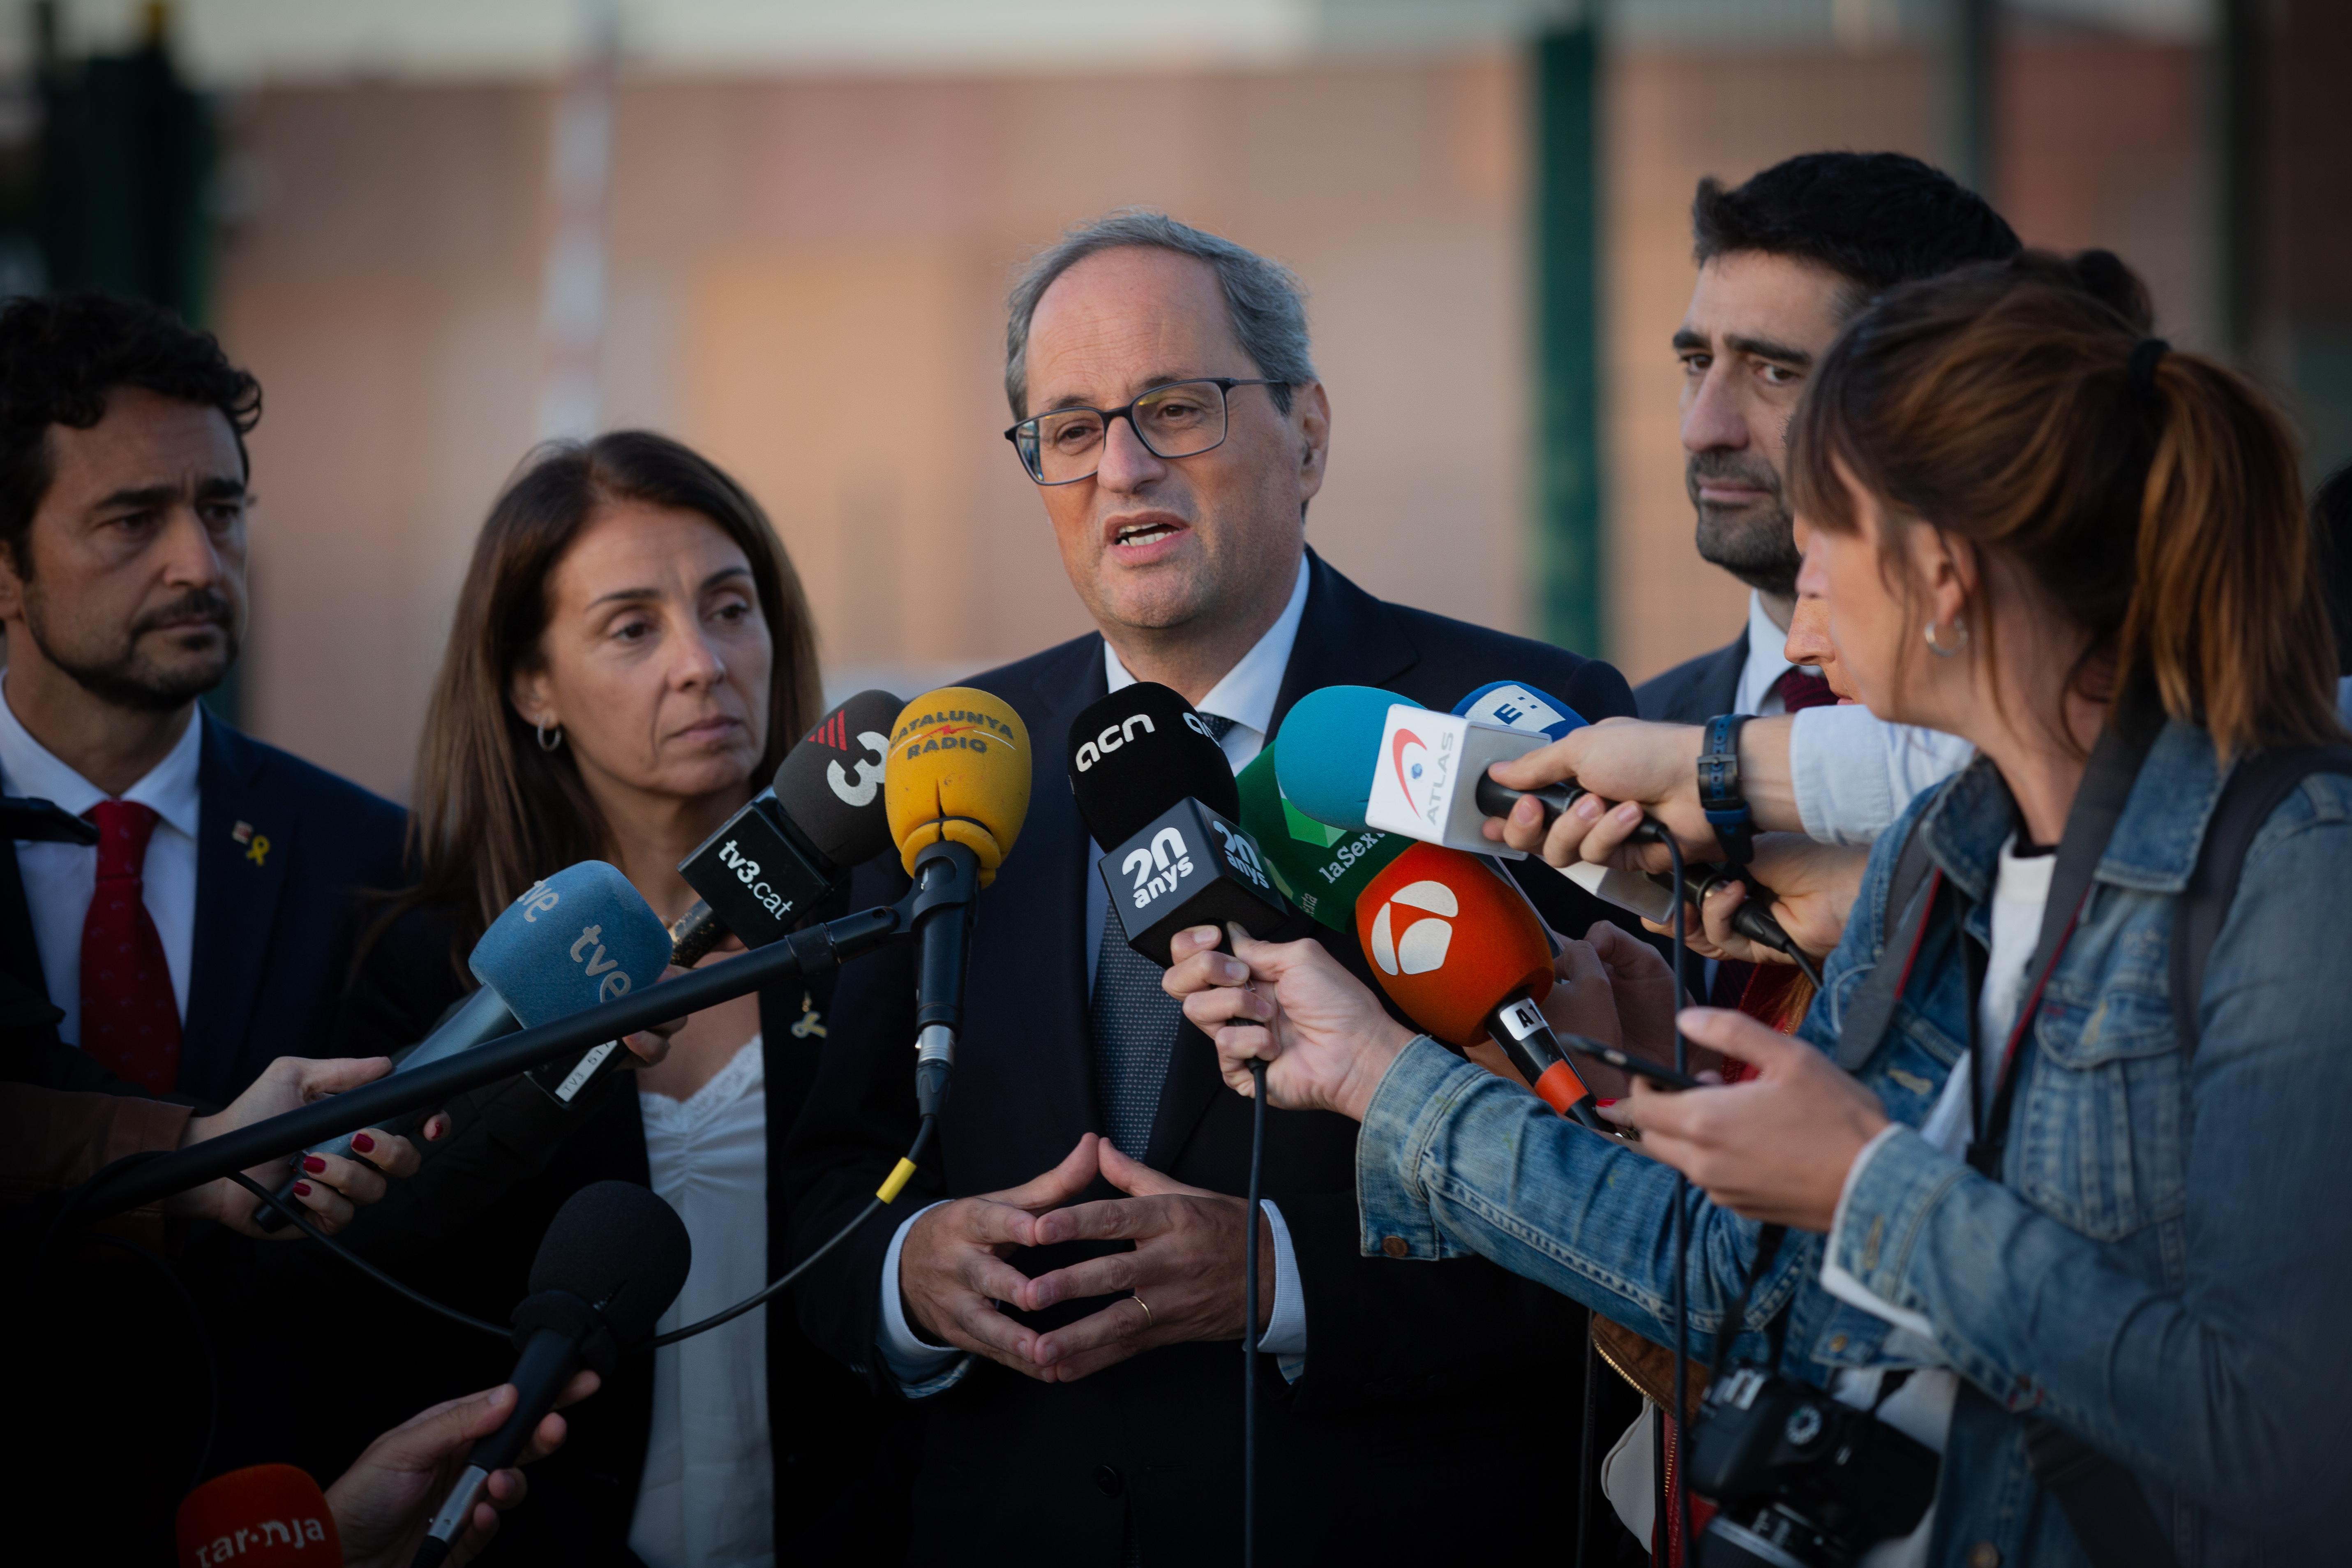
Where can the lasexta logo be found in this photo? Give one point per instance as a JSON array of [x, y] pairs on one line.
[[1414, 930]]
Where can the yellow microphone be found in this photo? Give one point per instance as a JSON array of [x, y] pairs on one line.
[[957, 789], [958, 773]]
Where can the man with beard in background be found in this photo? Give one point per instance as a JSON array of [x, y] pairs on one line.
[[1784, 261]]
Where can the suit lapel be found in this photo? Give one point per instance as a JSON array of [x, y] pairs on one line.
[[244, 839], [1051, 934], [1345, 637], [20, 952]]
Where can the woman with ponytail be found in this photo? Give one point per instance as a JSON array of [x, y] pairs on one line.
[[2084, 1192]]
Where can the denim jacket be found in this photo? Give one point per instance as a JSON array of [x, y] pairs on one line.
[[2162, 1268]]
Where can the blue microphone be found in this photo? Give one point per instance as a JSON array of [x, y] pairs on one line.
[[582, 936]]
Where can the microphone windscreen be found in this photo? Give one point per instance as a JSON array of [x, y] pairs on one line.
[[830, 784], [1450, 941], [1329, 748], [957, 771], [581, 937], [616, 1244], [264, 1516], [1139, 751], [1320, 869], [1516, 705]]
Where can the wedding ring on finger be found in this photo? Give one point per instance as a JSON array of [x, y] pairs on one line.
[[1145, 1305]]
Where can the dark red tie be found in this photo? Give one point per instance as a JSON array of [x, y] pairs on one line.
[[130, 1019], [1800, 688]]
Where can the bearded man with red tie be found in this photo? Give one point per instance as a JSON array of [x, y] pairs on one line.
[[206, 932]]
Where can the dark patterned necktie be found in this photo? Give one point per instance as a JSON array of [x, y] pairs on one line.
[[1134, 1023], [1800, 688], [130, 1017]]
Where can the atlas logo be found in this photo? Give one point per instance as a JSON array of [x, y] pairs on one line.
[[1112, 738], [858, 791], [1416, 939], [1240, 853], [747, 871], [616, 984], [1159, 870], [1420, 773]]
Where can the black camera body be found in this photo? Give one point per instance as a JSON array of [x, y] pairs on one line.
[[1801, 1480]]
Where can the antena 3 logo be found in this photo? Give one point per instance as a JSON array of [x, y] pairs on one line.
[[1414, 930], [953, 730], [1113, 737], [1160, 868]]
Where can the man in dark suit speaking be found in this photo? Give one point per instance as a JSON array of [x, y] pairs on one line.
[[1094, 1417]]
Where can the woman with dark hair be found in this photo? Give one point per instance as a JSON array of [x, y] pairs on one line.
[[2024, 1186], [631, 656]]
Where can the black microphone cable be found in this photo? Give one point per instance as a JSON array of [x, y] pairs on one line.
[[1680, 1490], [1249, 1318]]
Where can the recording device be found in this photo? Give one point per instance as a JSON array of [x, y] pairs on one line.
[[581, 937], [1460, 950], [1362, 757], [955, 788], [1801, 1480], [264, 1516], [769, 863], [28, 819], [1320, 869], [607, 1269], [1153, 786], [1657, 1074], [1515, 706]]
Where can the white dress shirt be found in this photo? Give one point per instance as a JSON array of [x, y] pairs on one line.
[[59, 878], [1765, 666], [1246, 695], [707, 1494], [1854, 772]]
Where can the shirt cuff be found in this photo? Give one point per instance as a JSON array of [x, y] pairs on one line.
[[1285, 1326], [923, 1370], [1868, 1249]]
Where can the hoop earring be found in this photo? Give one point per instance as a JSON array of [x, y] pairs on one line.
[[551, 739], [1938, 649]]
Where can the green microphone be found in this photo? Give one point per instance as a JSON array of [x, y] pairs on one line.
[[1318, 867]]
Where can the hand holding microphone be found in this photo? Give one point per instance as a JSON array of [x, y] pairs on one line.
[[1327, 1040]]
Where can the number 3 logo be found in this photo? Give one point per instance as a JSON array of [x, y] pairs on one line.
[[869, 771]]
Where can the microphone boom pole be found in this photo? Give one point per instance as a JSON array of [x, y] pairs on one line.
[[816, 948]]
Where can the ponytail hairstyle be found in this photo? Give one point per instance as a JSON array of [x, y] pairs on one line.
[[2151, 498]]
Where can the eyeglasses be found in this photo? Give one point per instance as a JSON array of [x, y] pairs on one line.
[[1182, 419]]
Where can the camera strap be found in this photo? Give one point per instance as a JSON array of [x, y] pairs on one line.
[[1768, 1247]]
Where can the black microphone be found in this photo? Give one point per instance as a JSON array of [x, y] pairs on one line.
[[1157, 791], [607, 1269], [797, 839]]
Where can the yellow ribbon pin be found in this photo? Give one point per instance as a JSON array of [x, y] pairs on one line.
[[258, 850]]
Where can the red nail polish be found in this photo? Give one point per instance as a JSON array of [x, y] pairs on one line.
[[301, 1189], [313, 1164], [363, 1144]]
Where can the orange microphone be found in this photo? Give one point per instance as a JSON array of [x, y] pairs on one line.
[[265, 1516], [1459, 950]]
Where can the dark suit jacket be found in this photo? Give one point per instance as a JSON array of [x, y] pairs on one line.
[[273, 931], [1696, 690], [1419, 1376], [465, 1230]]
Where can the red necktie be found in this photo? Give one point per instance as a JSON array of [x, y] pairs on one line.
[[1800, 688], [130, 1019]]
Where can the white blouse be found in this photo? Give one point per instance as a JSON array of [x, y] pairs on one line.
[[706, 1495]]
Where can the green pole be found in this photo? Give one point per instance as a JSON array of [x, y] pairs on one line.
[[1567, 273]]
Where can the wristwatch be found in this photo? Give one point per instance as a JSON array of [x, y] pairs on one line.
[[1718, 788]]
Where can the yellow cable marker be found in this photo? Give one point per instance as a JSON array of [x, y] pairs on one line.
[[889, 1190]]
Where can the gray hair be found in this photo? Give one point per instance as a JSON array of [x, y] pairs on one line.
[[1264, 298]]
